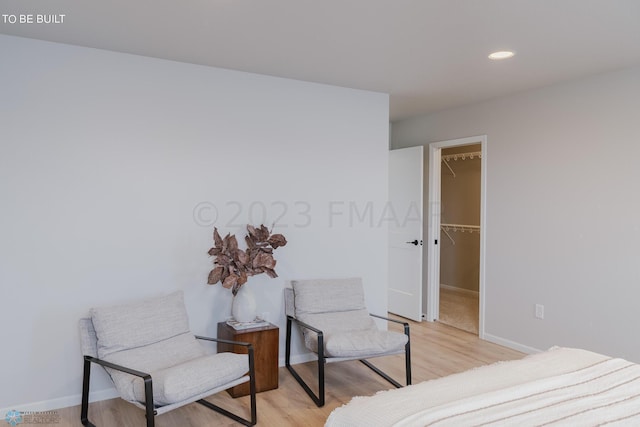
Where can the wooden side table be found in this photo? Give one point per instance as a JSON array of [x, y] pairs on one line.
[[265, 345]]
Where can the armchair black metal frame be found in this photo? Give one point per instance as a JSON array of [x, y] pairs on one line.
[[319, 399], [150, 411]]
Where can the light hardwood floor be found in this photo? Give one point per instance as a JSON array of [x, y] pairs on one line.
[[437, 350]]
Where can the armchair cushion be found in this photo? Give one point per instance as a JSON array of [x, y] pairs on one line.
[[127, 326], [88, 338], [327, 295], [351, 334], [335, 323], [152, 358], [364, 343], [194, 377]]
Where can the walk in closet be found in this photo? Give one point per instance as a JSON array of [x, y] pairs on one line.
[[460, 236]]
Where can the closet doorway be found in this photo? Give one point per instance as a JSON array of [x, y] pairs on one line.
[[455, 258], [460, 237]]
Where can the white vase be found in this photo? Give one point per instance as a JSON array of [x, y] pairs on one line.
[[243, 307]]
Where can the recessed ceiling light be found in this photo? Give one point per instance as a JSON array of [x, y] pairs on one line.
[[503, 54]]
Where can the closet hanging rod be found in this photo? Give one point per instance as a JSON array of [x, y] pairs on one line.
[[461, 227], [462, 156], [445, 228]]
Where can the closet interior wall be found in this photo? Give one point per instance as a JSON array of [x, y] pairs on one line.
[[460, 204]]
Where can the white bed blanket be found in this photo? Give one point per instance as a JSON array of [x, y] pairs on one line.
[[558, 387]]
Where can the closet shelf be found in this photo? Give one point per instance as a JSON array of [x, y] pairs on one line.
[[460, 156], [458, 227]]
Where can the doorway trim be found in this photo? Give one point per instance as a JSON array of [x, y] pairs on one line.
[[433, 226]]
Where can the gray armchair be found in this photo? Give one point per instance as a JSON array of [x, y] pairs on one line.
[[336, 325], [155, 362]]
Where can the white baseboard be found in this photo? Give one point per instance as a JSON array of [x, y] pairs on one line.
[[299, 358], [61, 402], [459, 290], [511, 344]]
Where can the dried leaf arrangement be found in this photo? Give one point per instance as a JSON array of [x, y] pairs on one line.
[[234, 265]]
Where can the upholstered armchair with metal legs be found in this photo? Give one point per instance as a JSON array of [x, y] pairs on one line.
[[156, 363], [336, 325]]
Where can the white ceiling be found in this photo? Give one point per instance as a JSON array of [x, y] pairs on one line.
[[428, 55]]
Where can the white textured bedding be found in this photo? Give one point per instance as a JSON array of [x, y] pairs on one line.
[[561, 386]]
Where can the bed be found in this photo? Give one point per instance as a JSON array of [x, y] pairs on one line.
[[559, 387]]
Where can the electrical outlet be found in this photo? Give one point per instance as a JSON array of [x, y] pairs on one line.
[[539, 311]]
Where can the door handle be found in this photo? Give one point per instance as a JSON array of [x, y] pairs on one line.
[[415, 242]]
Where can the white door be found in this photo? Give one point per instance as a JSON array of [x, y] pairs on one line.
[[404, 215]]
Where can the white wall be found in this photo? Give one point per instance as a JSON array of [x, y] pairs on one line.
[[110, 165], [563, 210]]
